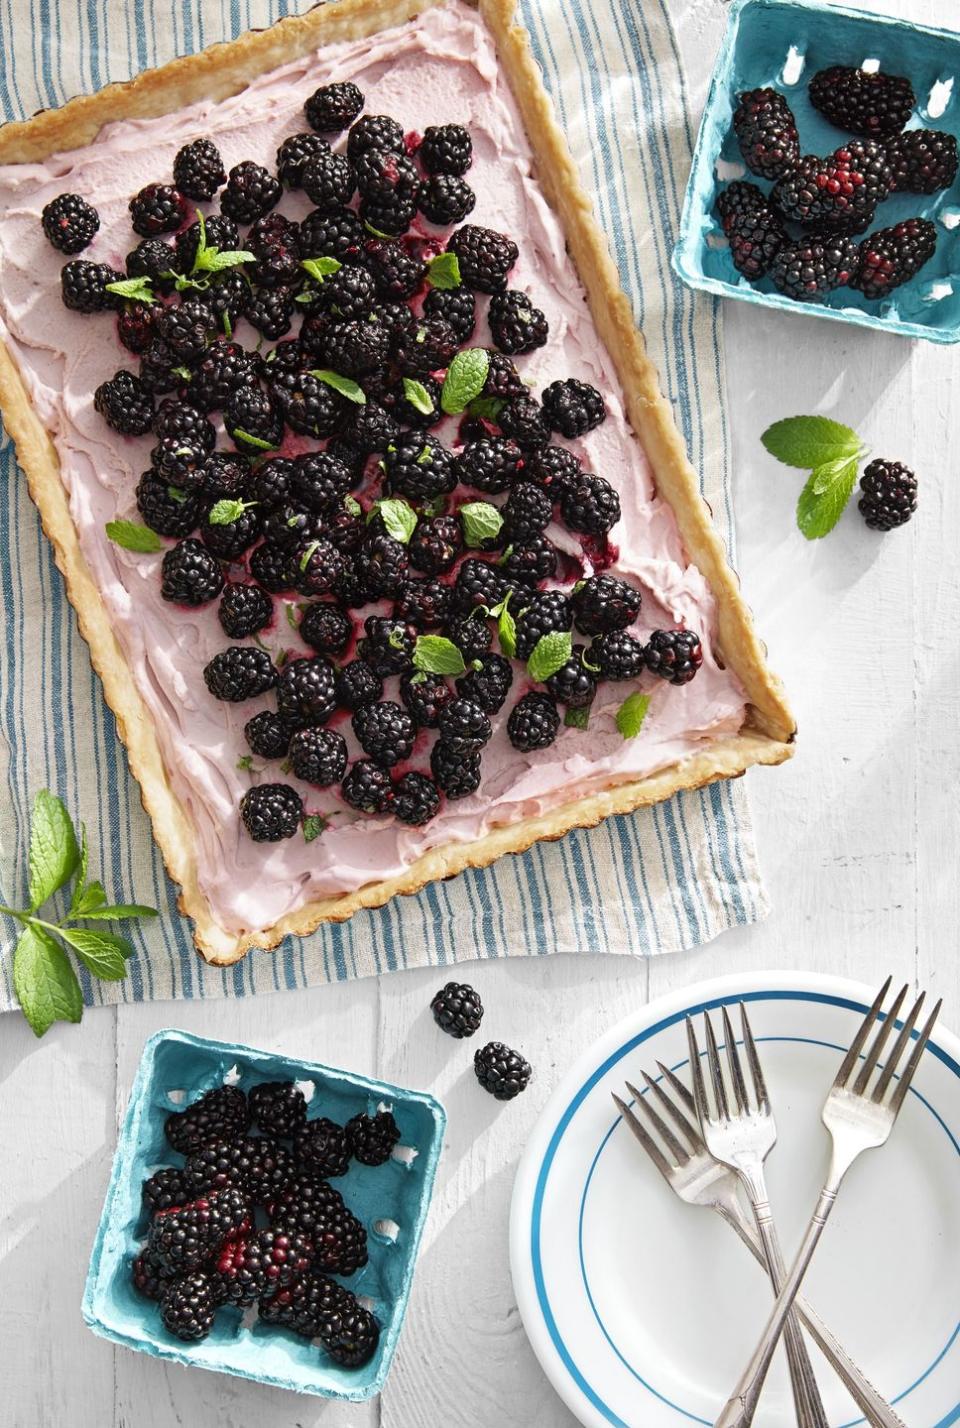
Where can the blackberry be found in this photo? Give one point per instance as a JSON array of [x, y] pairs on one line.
[[326, 628], [472, 636], [163, 1189], [340, 1240], [244, 610], [456, 306], [435, 544], [533, 723], [321, 1149], [186, 328], [590, 505], [424, 346], [271, 311], [457, 1010], [357, 684], [807, 270], [239, 673], [271, 811], [255, 1164], [218, 232], [346, 532], [502, 1072], [83, 286], [478, 583], [156, 368], [618, 655], [184, 1236], [526, 512], [305, 1305], [384, 564], [444, 199], [335, 234], [318, 756], [350, 1335], [250, 192], [367, 787], [385, 732], [420, 467], [356, 347], [251, 1266], [228, 297], [532, 562], [383, 175], [333, 107], [767, 132], [300, 1206], [224, 369], [318, 564], [372, 1138], [350, 293], [305, 691], [250, 412], [198, 169], [464, 726], [279, 1108], [190, 574], [396, 271], [274, 567], [275, 242], [574, 684], [842, 189], [893, 256], [446, 149], [295, 153], [168, 512], [224, 474], [603, 604], [189, 1305], [374, 132], [424, 604], [922, 161], [390, 217], [524, 420], [572, 407], [544, 613], [489, 685], [179, 419], [457, 774], [149, 1277], [490, 464], [503, 382], [424, 695], [888, 495], [551, 467], [310, 406], [267, 735], [135, 327], [153, 258], [329, 181], [158, 208], [179, 461], [877, 105], [675, 655], [273, 483], [415, 801], [370, 428], [738, 200], [69, 222], [515, 324], [220, 1114], [485, 257], [351, 589], [756, 238]]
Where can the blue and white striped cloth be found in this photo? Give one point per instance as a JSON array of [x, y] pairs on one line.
[[666, 879]]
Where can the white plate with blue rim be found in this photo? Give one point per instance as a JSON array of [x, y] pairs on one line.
[[643, 1310]]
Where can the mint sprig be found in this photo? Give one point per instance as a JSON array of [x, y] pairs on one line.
[[225, 512], [443, 272], [831, 452], [418, 396], [320, 268], [346, 386], [132, 536], [631, 714], [550, 653], [44, 978], [133, 289], [481, 522], [465, 378], [397, 515], [433, 654]]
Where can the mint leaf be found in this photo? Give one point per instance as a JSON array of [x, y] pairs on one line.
[[54, 854], [481, 522], [344, 385], [102, 953], [44, 981], [227, 324], [211, 260], [225, 512], [464, 380], [809, 441], [133, 289], [489, 408], [443, 272], [255, 441], [351, 504], [631, 714], [507, 628], [577, 718], [418, 396], [320, 268], [245, 763], [550, 653], [305, 558], [824, 497], [313, 825], [398, 516], [291, 610], [132, 536], [435, 655], [79, 887], [176, 495], [117, 912], [378, 232], [183, 372], [90, 901]]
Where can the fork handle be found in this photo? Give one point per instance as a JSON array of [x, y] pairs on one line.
[[806, 1394], [739, 1410]]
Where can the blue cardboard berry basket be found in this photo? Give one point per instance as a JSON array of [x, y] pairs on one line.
[[783, 43], [391, 1200]]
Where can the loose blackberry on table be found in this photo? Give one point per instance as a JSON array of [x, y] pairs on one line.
[[888, 495], [271, 812], [457, 1009], [501, 1071]]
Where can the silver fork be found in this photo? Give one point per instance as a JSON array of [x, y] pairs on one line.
[[858, 1119], [699, 1179], [742, 1139]]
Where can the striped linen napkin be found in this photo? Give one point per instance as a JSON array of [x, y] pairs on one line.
[[665, 879]]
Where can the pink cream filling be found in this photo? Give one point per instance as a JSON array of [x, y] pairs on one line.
[[439, 68]]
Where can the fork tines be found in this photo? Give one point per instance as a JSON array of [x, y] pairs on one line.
[[749, 1091], [884, 1024]]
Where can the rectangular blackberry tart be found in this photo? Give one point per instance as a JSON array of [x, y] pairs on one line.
[[373, 515]]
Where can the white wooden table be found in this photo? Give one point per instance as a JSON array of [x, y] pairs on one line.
[[859, 837]]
